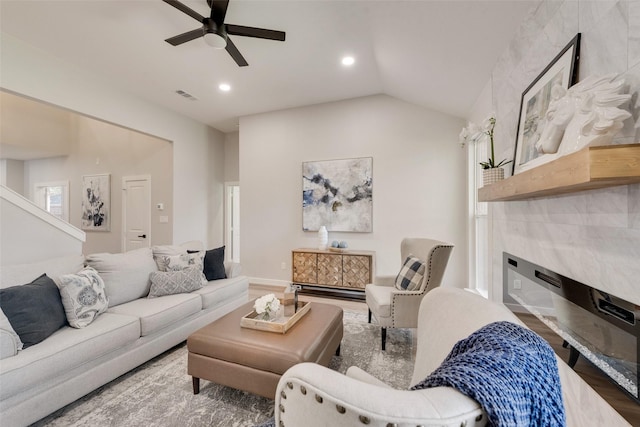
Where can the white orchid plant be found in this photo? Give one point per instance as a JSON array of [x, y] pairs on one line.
[[473, 133], [267, 306]]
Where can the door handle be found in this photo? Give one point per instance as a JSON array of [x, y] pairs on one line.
[[144, 236]]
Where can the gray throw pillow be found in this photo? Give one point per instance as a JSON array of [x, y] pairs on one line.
[[214, 264], [175, 282], [83, 296], [34, 310]]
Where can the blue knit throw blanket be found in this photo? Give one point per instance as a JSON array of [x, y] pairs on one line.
[[510, 371]]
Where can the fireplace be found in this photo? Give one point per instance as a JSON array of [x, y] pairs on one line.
[[600, 326]]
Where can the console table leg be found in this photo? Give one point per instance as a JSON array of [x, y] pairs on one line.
[[369, 315], [196, 385]]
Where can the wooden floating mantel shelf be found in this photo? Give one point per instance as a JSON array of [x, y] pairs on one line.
[[587, 169]]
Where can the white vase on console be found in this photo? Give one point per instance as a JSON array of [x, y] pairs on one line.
[[323, 238]]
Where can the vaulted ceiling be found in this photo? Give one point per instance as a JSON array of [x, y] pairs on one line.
[[437, 54]]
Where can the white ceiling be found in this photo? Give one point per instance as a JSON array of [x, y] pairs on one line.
[[437, 54]]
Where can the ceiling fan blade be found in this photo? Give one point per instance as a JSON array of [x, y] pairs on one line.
[[235, 54], [261, 33], [185, 9], [185, 37], [218, 10]]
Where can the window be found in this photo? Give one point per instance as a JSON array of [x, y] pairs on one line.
[[53, 197], [479, 238]]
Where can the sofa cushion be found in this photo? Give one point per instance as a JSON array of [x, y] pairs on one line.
[[9, 341], [214, 264], [411, 274], [175, 282], [379, 299], [34, 310], [83, 296], [125, 275], [217, 293], [157, 313], [66, 349]]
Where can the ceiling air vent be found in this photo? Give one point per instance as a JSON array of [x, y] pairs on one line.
[[186, 95]]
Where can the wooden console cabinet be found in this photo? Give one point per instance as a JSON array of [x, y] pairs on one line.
[[343, 270]]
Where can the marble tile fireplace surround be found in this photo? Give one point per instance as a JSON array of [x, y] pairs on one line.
[[600, 326]]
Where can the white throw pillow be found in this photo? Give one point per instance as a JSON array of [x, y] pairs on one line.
[[411, 274], [180, 262], [83, 296], [161, 251], [125, 275]]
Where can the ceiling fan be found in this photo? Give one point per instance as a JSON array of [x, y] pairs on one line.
[[215, 31]]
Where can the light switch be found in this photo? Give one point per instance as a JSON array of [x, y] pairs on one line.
[[164, 219]]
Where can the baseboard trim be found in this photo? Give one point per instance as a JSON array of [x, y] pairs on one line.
[[268, 283]]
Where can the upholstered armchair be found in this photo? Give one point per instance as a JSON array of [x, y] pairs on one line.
[[312, 395], [398, 308]]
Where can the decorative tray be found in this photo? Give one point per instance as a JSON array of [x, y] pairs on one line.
[[332, 249], [281, 325]]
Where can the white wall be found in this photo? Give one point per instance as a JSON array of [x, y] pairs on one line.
[[34, 73], [232, 157], [26, 237], [590, 236], [419, 180], [12, 175]]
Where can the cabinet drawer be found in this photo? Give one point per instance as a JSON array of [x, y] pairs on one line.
[[305, 267], [330, 270], [356, 271]]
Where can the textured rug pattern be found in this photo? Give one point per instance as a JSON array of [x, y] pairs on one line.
[[159, 393]]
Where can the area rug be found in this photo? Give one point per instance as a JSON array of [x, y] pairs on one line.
[[159, 393]]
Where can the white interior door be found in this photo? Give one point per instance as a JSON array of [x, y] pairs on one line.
[[136, 212], [232, 221]]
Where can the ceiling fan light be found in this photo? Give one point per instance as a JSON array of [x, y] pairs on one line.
[[216, 41]]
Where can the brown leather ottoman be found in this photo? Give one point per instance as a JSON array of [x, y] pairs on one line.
[[252, 360]]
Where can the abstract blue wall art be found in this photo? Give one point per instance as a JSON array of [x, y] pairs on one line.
[[338, 194]]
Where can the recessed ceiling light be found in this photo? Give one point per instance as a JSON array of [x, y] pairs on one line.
[[348, 61], [225, 87]]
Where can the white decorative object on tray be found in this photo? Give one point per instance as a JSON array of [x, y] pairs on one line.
[[280, 325], [266, 307]]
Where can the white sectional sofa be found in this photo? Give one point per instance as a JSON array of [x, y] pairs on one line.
[[38, 380]]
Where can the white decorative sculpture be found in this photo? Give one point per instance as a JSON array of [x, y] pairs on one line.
[[586, 115]]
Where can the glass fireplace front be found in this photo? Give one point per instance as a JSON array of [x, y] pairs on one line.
[[601, 326]]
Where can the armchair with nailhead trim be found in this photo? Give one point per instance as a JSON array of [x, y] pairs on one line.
[[398, 308], [312, 395]]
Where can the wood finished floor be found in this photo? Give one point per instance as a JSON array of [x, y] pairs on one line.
[[601, 383]]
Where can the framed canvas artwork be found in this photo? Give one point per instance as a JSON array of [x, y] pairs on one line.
[[338, 194], [562, 71], [96, 202]]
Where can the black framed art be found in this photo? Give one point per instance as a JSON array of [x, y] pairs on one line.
[[563, 70]]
